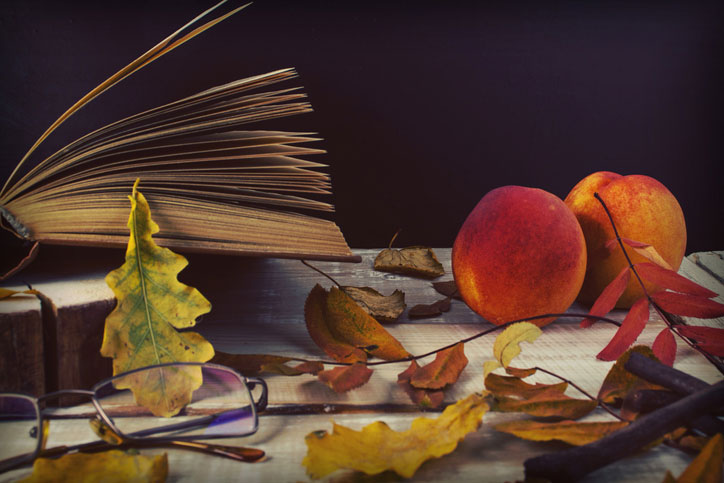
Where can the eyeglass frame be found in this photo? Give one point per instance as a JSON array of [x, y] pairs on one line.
[[249, 383]]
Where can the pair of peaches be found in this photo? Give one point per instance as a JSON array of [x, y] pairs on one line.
[[523, 251]]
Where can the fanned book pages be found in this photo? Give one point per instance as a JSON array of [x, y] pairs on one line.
[[213, 185]]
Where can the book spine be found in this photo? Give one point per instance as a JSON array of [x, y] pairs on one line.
[[19, 228]]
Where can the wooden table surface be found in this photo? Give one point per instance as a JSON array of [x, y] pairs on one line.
[[258, 308]]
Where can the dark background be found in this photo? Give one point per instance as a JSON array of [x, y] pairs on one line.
[[423, 106]]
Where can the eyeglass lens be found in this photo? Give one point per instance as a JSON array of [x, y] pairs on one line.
[[184, 402], [19, 426]]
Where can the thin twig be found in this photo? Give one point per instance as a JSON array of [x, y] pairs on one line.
[[321, 272]]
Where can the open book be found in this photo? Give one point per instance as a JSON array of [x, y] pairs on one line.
[[213, 185]]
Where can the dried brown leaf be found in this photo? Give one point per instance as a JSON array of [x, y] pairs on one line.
[[429, 310], [345, 378], [447, 288], [443, 371], [384, 308], [417, 261], [425, 398]]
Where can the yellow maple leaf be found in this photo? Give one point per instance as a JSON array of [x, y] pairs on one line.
[[114, 466], [152, 304], [377, 448]]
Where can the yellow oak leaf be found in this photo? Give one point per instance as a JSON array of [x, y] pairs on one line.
[[571, 432], [6, 292], [377, 448], [151, 305], [113, 466]]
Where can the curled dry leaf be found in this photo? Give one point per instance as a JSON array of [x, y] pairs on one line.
[[430, 310], [114, 466], [384, 308], [345, 378], [152, 304], [425, 398], [507, 345], [416, 261], [513, 386], [571, 432], [377, 448], [448, 289], [443, 371]]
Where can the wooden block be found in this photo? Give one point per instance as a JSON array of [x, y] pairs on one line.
[[21, 345]]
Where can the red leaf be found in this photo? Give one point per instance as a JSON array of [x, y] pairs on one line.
[[703, 334], [425, 398], [664, 347], [444, 370], [629, 331], [688, 305], [344, 378], [608, 298], [713, 348], [665, 278]]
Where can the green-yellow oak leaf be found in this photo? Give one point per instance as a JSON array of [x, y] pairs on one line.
[[151, 305]]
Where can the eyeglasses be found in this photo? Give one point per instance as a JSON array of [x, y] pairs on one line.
[[166, 405]]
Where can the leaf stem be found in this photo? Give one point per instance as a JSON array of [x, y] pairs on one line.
[[321, 272], [665, 316]]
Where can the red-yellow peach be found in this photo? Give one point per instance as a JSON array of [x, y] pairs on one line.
[[519, 253], [643, 210]]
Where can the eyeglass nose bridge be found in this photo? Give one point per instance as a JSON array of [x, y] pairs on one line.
[[251, 383]]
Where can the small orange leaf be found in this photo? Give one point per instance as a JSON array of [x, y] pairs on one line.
[[608, 298], [571, 432], [425, 398], [349, 323], [521, 373], [619, 382], [316, 319], [633, 324], [669, 279], [688, 305], [706, 467], [444, 370], [345, 378], [550, 403], [664, 347], [513, 386]]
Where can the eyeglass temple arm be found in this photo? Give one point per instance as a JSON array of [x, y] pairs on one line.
[[261, 404]]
